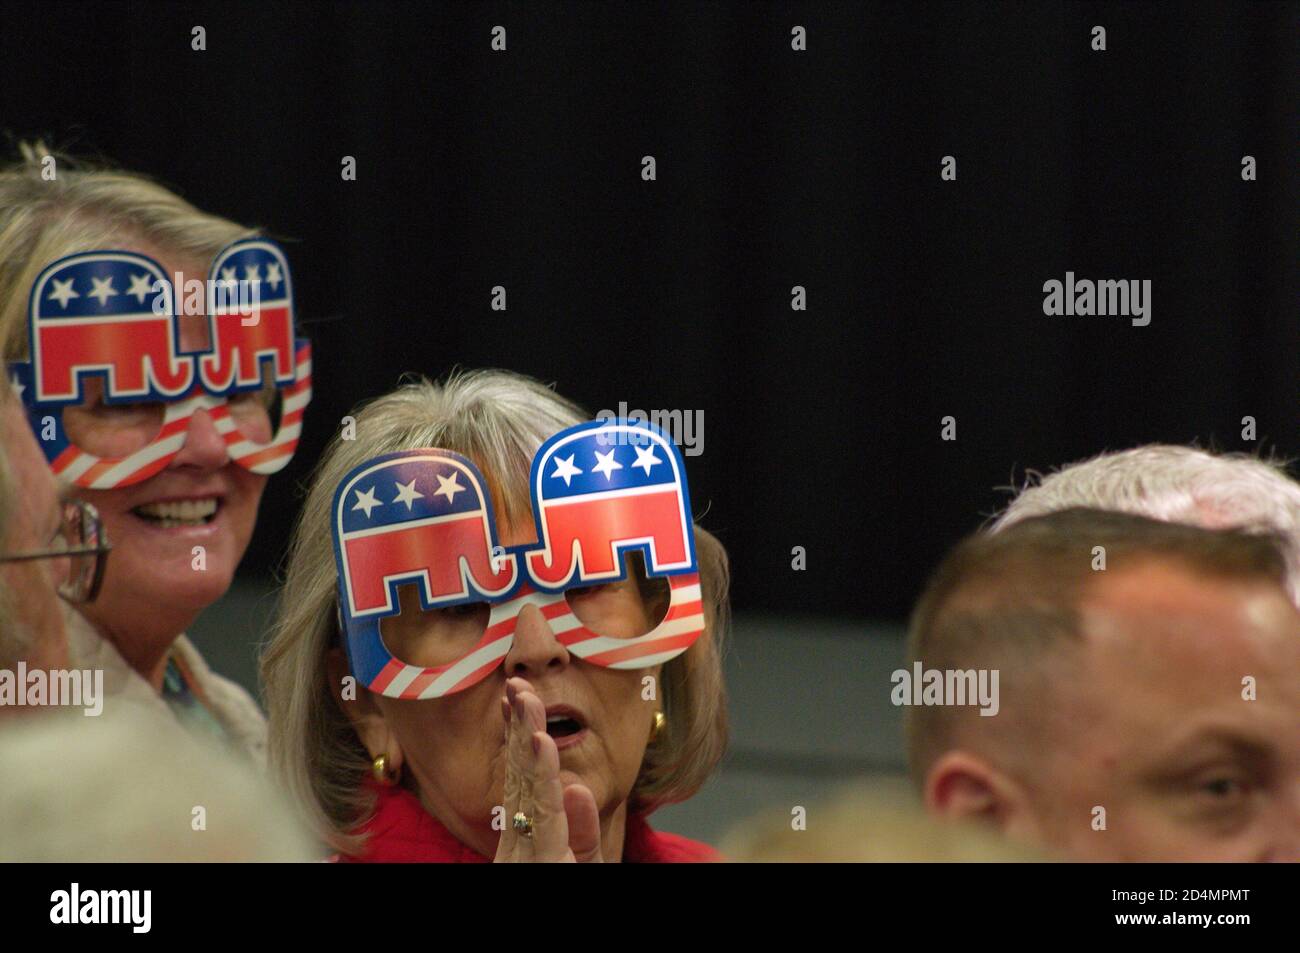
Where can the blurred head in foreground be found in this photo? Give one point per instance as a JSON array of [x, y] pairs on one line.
[[130, 787], [31, 614], [1177, 485], [1149, 681], [878, 821]]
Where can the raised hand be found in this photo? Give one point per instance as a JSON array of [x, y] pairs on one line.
[[565, 825]]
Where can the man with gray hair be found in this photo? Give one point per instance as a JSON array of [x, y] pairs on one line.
[[1177, 485], [1149, 676]]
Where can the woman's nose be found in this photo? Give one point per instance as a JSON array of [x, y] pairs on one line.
[[535, 648], [204, 445]]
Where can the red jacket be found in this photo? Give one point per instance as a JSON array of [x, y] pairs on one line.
[[402, 831]]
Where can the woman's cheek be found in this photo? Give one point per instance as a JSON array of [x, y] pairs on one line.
[[113, 511], [497, 776], [470, 748], [250, 489]]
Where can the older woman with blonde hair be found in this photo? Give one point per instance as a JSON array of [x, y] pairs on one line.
[[153, 404], [414, 721]]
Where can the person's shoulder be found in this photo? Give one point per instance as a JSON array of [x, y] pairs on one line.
[[231, 703], [645, 845], [400, 830], [676, 849]]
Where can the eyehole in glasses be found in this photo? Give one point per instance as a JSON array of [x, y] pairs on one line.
[[82, 541]]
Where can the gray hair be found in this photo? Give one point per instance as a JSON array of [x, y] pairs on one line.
[[498, 420], [1177, 485]]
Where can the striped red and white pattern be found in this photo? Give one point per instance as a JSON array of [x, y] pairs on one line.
[[681, 626], [100, 473], [272, 457]]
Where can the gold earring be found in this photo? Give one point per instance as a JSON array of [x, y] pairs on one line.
[[660, 720], [379, 768]]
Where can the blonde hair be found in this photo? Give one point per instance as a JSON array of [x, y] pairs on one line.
[[85, 207], [498, 420]]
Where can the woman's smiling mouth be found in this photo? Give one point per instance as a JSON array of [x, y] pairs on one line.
[[173, 514]]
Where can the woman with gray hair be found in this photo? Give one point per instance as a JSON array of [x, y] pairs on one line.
[[476, 746]]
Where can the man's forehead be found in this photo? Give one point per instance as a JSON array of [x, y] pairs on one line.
[[1169, 622], [1166, 654]]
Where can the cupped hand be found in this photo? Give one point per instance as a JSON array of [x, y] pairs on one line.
[[566, 825]]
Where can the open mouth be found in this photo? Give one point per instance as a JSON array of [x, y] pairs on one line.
[[562, 727], [176, 513], [561, 722]]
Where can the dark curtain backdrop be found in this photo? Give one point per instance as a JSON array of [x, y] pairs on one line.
[[775, 169]]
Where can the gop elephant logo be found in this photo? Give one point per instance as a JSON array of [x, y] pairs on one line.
[[600, 489], [106, 312], [419, 516], [251, 314]]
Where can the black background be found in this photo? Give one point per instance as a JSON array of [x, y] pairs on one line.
[[775, 168]]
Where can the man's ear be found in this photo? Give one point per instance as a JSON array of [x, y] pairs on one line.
[[367, 719], [964, 787]]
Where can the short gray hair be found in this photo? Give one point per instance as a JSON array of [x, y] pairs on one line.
[[1177, 485]]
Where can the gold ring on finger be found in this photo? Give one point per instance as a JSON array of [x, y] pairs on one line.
[[522, 823]]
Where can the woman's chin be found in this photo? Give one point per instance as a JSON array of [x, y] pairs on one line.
[[173, 567], [185, 591]]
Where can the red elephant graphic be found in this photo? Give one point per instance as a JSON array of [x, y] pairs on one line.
[[109, 312], [602, 488], [418, 516], [251, 312]]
